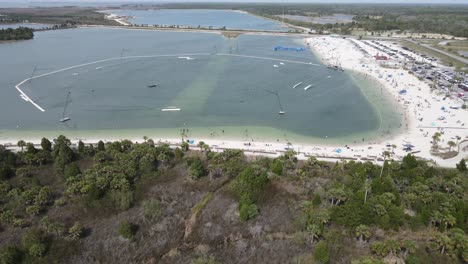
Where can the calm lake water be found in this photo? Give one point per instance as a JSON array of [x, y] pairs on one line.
[[200, 17], [216, 90]]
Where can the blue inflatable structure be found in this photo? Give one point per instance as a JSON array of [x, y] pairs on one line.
[[281, 48]]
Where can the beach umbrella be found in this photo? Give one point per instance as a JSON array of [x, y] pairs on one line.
[[442, 108]]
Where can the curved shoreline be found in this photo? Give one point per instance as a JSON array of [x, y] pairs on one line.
[[395, 132], [421, 107], [364, 151]]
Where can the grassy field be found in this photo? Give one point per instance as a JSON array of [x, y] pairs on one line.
[[453, 46], [444, 59]]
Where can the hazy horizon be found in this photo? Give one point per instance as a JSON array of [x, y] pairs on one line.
[[248, 1]]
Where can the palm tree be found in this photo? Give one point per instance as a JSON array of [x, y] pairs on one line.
[[201, 144], [386, 155], [436, 218], [367, 187], [393, 148], [407, 247], [322, 217], [315, 231], [451, 144], [206, 148], [185, 146], [443, 242], [183, 134], [393, 246], [448, 220], [436, 138], [363, 233], [21, 144], [162, 157], [337, 195]]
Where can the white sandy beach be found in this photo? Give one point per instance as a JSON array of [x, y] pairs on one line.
[[122, 20], [423, 108], [422, 111]]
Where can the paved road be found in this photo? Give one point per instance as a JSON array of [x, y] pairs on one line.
[[453, 56]]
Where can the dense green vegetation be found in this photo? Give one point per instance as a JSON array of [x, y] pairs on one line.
[[55, 16], [20, 33], [52, 197], [425, 18]]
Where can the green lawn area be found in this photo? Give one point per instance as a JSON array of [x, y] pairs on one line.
[[444, 59]]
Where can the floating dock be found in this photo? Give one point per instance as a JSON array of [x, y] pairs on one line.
[[281, 48]]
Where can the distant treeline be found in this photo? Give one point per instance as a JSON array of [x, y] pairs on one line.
[[424, 18], [20, 33], [56, 15]]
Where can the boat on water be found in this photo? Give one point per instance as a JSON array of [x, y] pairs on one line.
[[65, 118], [98, 68], [186, 58], [276, 66], [153, 85], [281, 112], [170, 109], [297, 84], [307, 87]]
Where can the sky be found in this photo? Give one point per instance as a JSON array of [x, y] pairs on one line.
[[244, 1]]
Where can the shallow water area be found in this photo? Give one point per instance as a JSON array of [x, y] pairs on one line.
[[204, 18], [119, 81]]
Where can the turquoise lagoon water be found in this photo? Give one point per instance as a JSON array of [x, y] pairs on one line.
[[216, 90], [199, 17]]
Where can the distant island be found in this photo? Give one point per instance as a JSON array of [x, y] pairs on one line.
[[21, 33]]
